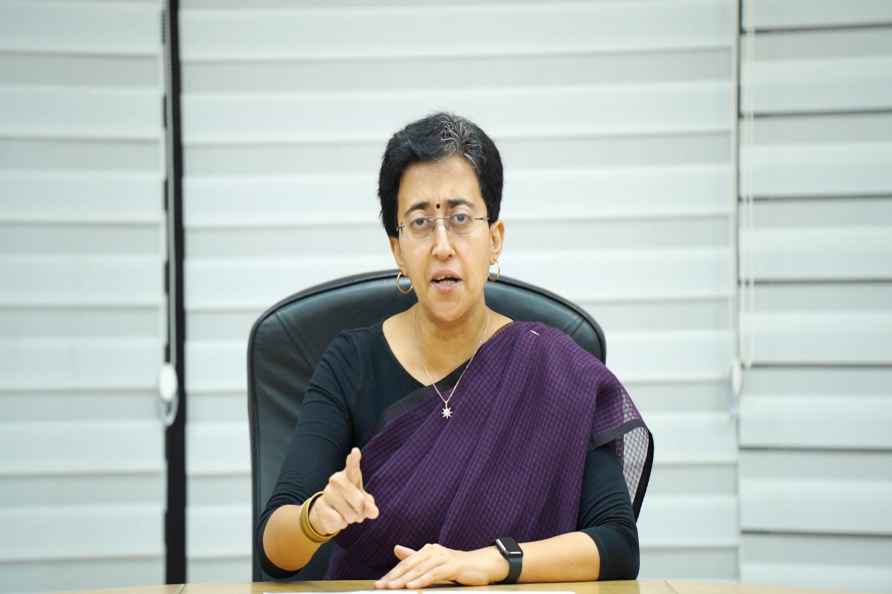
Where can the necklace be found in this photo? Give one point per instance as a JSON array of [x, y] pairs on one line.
[[447, 412]]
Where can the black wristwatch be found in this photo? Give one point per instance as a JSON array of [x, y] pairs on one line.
[[513, 554]]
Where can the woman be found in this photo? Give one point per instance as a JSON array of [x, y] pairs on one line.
[[448, 442]]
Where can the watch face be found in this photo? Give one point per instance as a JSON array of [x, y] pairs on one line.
[[509, 547]]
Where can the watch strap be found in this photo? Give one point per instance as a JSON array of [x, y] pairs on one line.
[[513, 554]]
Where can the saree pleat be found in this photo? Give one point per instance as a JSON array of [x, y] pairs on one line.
[[510, 460]]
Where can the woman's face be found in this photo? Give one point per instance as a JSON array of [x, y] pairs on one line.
[[448, 270]]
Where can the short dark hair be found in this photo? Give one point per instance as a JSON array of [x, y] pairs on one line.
[[435, 137]]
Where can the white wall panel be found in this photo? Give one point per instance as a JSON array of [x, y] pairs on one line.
[[816, 158], [849, 563], [841, 408], [487, 29], [63, 532], [810, 14], [531, 112], [57, 198], [82, 324], [110, 29], [63, 112], [818, 71], [856, 485], [616, 127]]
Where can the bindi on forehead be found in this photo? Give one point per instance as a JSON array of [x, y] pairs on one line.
[[438, 206]]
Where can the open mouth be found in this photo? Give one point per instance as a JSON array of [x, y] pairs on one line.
[[445, 281]]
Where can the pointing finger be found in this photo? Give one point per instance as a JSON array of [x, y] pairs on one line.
[[354, 473]]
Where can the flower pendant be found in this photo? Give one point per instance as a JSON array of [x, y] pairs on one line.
[[447, 412]]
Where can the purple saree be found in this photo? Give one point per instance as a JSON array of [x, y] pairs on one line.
[[508, 463]]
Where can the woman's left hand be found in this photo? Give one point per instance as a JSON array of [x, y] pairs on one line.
[[433, 563]]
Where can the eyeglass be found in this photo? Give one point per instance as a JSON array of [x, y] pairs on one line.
[[422, 227]]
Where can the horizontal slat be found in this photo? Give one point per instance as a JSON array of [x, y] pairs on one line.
[[620, 192], [709, 563], [626, 274], [817, 170], [679, 396], [814, 422], [218, 531], [223, 569], [376, 74], [39, 69], [622, 274], [65, 112], [218, 449], [688, 521], [671, 356], [82, 532], [81, 280], [84, 27], [81, 447], [694, 438], [518, 113], [821, 129], [846, 563], [802, 86], [817, 408], [829, 253], [873, 297], [91, 239], [839, 337], [843, 323], [475, 30], [53, 363], [826, 70], [827, 155], [793, 491], [537, 153], [60, 574], [96, 156], [97, 198], [871, 42], [87, 489], [79, 405], [682, 480], [77, 322], [609, 193], [804, 214], [808, 14], [219, 489]]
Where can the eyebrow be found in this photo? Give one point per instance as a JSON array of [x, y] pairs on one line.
[[451, 203]]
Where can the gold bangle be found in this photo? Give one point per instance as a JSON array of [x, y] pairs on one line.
[[305, 525]]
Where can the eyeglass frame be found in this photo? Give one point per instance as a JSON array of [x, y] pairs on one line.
[[402, 226]]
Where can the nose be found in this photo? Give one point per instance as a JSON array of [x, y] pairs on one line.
[[442, 244]]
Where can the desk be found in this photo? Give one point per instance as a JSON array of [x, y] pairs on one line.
[[631, 587]]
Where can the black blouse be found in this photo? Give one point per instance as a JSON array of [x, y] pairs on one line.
[[357, 379]]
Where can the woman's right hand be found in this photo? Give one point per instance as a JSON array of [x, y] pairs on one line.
[[344, 501]]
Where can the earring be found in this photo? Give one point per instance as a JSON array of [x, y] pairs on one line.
[[498, 274], [399, 287]]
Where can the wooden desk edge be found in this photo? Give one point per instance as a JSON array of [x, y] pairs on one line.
[[620, 587]]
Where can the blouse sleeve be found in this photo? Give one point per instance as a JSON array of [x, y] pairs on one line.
[[321, 439], [605, 514]]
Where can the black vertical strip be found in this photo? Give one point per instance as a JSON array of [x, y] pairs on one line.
[[175, 437]]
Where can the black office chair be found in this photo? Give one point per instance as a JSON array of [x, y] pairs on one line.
[[288, 340]]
